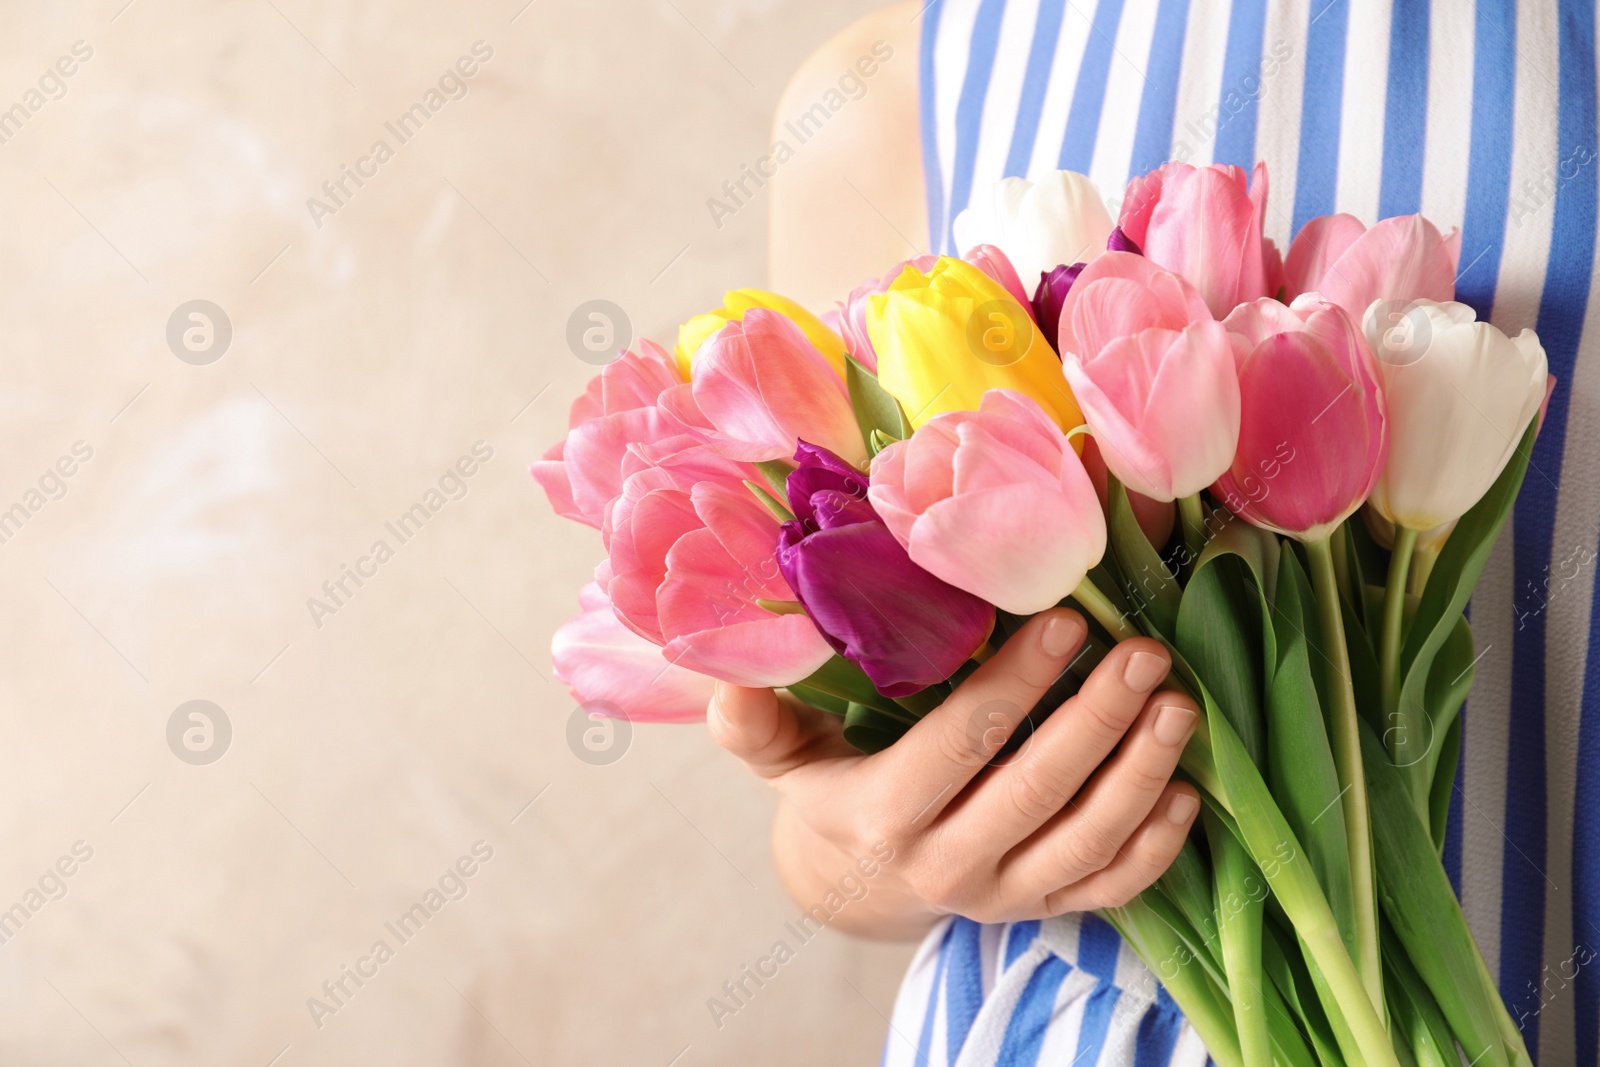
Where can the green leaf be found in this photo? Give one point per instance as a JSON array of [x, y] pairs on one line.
[[869, 730], [1149, 586], [1444, 781], [772, 504], [776, 473], [876, 411], [1300, 764], [1420, 904], [840, 678], [1240, 891], [1413, 1008], [1156, 938], [818, 699], [1450, 585], [1220, 633]]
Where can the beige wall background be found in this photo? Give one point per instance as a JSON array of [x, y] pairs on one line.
[[370, 753]]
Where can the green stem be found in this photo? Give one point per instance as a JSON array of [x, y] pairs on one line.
[[1105, 613], [1422, 562], [1394, 614], [1192, 514], [1345, 734]]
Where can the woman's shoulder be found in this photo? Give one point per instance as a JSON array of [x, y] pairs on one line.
[[846, 160]]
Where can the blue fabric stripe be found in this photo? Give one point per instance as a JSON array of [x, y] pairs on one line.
[[963, 990], [1241, 82], [1405, 118], [1321, 103], [1562, 305], [1099, 948], [1158, 102], [1586, 860], [1452, 824], [931, 169], [1089, 93], [1018, 937], [1041, 54], [925, 1038], [969, 109], [1026, 1029], [1483, 226], [1158, 1032]]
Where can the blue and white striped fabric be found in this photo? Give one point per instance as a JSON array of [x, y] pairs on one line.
[[1061, 991], [1481, 116]]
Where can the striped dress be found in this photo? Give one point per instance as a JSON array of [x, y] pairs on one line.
[[1481, 116]]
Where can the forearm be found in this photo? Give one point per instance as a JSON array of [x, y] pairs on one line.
[[819, 875]]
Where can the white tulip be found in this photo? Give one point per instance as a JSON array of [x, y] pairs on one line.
[[1058, 220], [1460, 395]]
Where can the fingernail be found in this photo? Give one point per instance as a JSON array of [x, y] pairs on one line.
[[1174, 722], [1059, 636], [1144, 670], [1182, 808]]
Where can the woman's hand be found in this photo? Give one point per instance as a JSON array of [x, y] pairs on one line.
[[1084, 815]]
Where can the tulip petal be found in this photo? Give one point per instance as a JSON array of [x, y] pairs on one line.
[[775, 651], [905, 628], [605, 663]]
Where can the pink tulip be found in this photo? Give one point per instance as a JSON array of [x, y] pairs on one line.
[[1163, 405], [1156, 518], [691, 555], [994, 502], [1313, 428], [1205, 224], [852, 314], [582, 473], [994, 263], [617, 673], [759, 386], [1400, 259], [1119, 294]]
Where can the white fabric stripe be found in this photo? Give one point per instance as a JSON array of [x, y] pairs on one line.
[[951, 51], [1366, 91], [1571, 601], [1190, 1052], [1534, 124], [1005, 86], [1113, 146], [991, 940], [1278, 120], [911, 1002], [1076, 21], [1200, 88], [1488, 731], [1444, 157], [1066, 1022]]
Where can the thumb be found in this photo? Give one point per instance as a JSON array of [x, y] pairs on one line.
[[756, 726]]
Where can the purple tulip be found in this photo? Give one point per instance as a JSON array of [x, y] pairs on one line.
[[1121, 242], [902, 626], [1050, 295]]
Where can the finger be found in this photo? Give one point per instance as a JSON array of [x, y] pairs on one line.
[[942, 753], [1050, 769], [766, 733], [1117, 800], [1144, 858]]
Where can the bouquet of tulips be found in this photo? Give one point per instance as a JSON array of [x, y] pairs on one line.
[[1289, 471]]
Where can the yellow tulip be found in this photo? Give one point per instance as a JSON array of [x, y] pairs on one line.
[[946, 336], [692, 334]]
